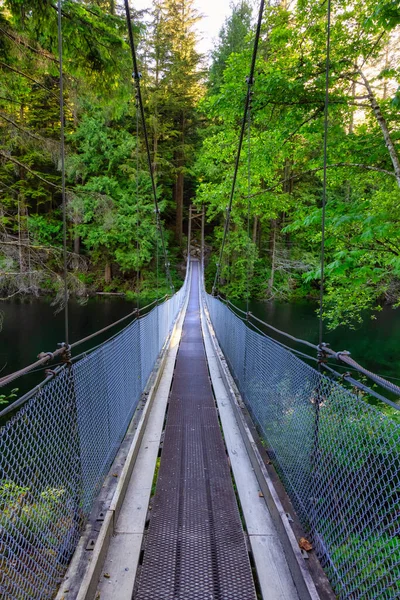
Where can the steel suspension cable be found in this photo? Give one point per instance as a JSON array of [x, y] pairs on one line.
[[137, 203], [137, 77], [63, 186], [248, 205], [343, 357], [324, 190], [250, 82]]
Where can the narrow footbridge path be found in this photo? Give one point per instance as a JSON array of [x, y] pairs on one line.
[[135, 471], [195, 546], [204, 532]]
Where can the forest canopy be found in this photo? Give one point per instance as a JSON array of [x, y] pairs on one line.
[[194, 109]]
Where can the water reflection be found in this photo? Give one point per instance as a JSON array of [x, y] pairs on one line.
[[31, 326], [374, 343]]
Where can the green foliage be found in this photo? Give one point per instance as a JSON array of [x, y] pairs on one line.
[[232, 37], [6, 399], [281, 204], [111, 229], [274, 241]]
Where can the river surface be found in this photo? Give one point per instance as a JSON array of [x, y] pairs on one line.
[[375, 343], [32, 326]]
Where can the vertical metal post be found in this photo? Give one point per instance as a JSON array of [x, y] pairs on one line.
[[189, 233]]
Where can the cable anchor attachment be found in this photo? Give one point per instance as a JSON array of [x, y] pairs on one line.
[[67, 355], [322, 354], [339, 355]]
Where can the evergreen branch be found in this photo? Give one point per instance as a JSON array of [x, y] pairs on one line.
[[310, 171], [23, 166], [19, 41], [2, 64], [26, 131], [7, 186], [11, 100], [36, 247], [86, 23]]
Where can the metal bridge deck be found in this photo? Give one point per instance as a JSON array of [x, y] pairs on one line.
[[195, 547]]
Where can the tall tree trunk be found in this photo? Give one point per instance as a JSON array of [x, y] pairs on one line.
[[21, 255], [180, 182], [384, 128], [155, 133], [288, 189], [255, 229], [178, 193], [273, 256], [107, 273]]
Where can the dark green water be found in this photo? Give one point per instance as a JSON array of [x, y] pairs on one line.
[[30, 327], [375, 343]]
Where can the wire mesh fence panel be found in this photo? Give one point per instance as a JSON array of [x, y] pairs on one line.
[[163, 320], [40, 509], [149, 342], [56, 451], [108, 386], [338, 456]]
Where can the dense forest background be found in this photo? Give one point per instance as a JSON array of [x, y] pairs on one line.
[[194, 112]]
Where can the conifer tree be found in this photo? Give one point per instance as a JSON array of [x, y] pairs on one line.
[[175, 91]]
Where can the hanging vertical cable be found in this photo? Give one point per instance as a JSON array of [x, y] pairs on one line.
[[137, 205], [157, 256], [316, 451], [250, 83], [248, 206], [62, 156], [324, 190], [137, 77]]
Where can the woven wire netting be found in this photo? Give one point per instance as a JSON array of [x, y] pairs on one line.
[[338, 457], [56, 451]]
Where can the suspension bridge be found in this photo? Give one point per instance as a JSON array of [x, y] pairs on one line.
[[192, 455]]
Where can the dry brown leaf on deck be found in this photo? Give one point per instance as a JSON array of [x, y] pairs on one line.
[[305, 545]]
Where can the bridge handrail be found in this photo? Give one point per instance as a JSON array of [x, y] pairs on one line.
[[338, 456], [46, 357], [343, 356], [56, 450]]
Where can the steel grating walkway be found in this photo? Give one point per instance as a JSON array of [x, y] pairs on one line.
[[195, 547]]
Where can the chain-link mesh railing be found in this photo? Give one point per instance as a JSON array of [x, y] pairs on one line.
[[56, 451], [338, 457]]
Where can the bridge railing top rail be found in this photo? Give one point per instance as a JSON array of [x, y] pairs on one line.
[[323, 353], [337, 455], [63, 352]]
